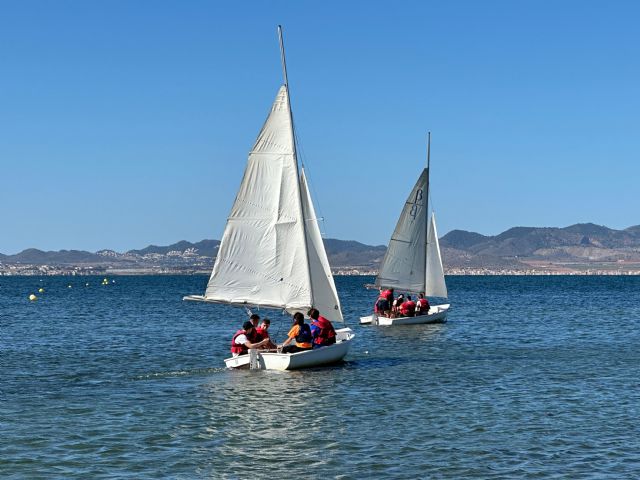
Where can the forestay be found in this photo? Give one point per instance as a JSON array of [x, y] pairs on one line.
[[262, 259], [435, 285], [325, 297], [403, 267]]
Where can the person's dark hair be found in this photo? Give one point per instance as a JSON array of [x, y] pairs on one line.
[[255, 316], [267, 321], [247, 325], [298, 318], [313, 313], [409, 297], [421, 295]]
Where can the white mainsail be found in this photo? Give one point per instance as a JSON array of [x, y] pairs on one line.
[[403, 267], [262, 259], [434, 285], [325, 297]]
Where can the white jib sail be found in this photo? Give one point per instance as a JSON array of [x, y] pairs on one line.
[[262, 258], [325, 297], [435, 285], [403, 267]]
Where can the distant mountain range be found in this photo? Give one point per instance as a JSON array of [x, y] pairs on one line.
[[583, 243], [516, 248]]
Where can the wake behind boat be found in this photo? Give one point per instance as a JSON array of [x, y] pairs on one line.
[[271, 254], [413, 263]]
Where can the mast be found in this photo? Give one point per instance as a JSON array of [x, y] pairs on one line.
[[426, 212], [295, 157]]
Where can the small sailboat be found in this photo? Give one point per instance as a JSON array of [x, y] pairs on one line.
[[271, 254], [412, 263]]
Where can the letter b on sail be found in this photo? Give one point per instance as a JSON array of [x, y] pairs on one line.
[[417, 203]]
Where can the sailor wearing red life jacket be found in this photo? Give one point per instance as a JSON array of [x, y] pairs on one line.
[[422, 306], [322, 329], [245, 339], [261, 331], [263, 334], [382, 304], [388, 294], [408, 308]]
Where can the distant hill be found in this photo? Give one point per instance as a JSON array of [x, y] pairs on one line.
[[35, 256], [584, 242], [515, 248], [205, 247], [350, 253]]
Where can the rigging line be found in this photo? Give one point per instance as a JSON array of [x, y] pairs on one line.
[[320, 219]]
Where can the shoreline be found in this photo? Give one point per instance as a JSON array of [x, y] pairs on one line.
[[73, 271]]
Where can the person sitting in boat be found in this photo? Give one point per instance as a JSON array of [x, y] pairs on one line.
[[397, 303], [422, 305], [300, 333], [382, 305], [255, 320], [322, 329], [408, 308], [388, 294], [262, 333], [245, 339]]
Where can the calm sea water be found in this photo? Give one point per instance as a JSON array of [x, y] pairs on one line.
[[532, 377]]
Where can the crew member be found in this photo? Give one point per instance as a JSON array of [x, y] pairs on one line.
[[300, 333], [408, 308], [322, 329], [422, 305], [245, 339], [262, 333]]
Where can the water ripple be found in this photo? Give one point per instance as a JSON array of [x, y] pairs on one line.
[[530, 378]]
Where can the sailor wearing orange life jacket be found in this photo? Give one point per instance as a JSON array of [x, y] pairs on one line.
[[245, 339], [422, 305], [322, 329], [408, 308]]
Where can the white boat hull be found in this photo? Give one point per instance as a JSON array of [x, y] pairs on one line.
[[437, 314], [293, 361]]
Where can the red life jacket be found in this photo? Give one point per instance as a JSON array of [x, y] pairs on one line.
[[261, 334], [325, 334], [388, 295], [236, 348], [408, 308], [423, 305]]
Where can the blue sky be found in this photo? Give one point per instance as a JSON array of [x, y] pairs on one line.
[[125, 123]]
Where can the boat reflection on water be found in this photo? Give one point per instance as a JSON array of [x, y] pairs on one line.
[[274, 416]]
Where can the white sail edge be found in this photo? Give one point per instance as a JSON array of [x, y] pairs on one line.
[[324, 294], [435, 285]]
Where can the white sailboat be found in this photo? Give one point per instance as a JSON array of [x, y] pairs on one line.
[[412, 263], [271, 253]]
